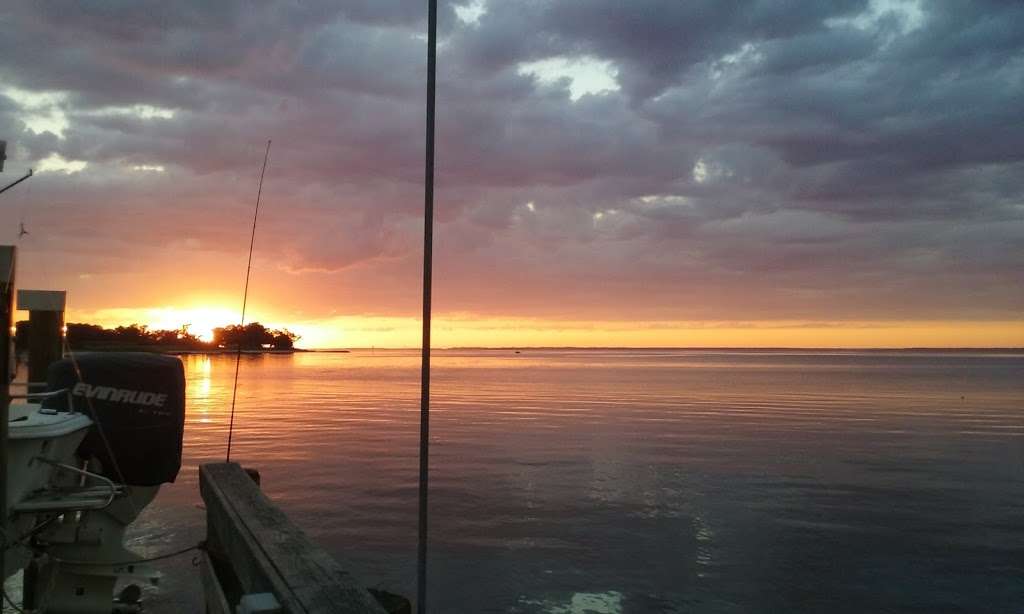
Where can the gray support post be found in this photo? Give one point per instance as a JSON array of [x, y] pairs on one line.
[[7, 259], [45, 329]]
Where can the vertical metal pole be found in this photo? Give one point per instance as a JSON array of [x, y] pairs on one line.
[[7, 259], [428, 258]]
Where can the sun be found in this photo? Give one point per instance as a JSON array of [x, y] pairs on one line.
[[200, 321]]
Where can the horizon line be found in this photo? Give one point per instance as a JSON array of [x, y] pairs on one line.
[[690, 348]]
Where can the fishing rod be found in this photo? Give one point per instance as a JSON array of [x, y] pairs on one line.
[[428, 249], [245, 298]]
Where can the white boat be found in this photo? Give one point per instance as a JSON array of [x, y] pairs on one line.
[[84, 458], [39, 442]]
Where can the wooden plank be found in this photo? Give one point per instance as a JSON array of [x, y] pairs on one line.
[[216, 602], [268, 553]]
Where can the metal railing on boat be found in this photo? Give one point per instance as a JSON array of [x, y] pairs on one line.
[[72, 498]]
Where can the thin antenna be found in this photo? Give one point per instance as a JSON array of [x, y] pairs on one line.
[[11, 185], [428, 257], [245, 298], [22, 231]]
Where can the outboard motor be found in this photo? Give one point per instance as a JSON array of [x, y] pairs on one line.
[[137, 401], [137, 404]]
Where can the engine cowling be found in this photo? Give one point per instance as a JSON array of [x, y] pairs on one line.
[[137, 401]]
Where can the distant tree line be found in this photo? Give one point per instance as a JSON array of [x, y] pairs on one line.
[[252, 337]]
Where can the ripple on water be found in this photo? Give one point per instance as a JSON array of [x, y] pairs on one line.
[[640, 481]]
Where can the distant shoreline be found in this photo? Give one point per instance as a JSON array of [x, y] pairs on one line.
[[153, 349], [230, 351], [520, 349], [908, 350]]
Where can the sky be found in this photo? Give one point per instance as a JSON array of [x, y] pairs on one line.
[[644, 173]]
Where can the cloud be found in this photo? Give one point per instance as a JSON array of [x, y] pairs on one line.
[[648, 159]]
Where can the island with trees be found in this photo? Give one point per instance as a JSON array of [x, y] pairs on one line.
[[253, 337]]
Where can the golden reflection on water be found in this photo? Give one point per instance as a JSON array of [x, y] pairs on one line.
[[198, 384]]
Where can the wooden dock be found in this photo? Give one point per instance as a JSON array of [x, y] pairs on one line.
[[254, 552]]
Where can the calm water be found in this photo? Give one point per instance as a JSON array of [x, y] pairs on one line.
[[566, 482]]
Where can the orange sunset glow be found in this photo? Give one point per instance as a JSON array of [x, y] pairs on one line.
[[466, 330], [200, 321]]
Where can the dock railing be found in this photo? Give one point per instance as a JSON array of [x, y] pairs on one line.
[[253, 548]]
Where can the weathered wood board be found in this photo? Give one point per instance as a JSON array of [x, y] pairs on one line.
[[216, 602], [268, 553]]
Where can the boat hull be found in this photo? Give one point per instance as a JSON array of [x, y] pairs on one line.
[[37, 439]]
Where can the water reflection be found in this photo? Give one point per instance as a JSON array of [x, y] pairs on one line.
[[580, 603], [640, 481], [198, 386]]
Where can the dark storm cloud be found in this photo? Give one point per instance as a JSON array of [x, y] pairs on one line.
[[764, 159]]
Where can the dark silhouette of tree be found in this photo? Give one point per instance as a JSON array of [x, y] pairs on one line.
[[133, 333], [253, 336], [284, 339]]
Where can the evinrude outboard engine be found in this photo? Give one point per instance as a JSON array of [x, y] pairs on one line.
[[137, 401], [137, 404]]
